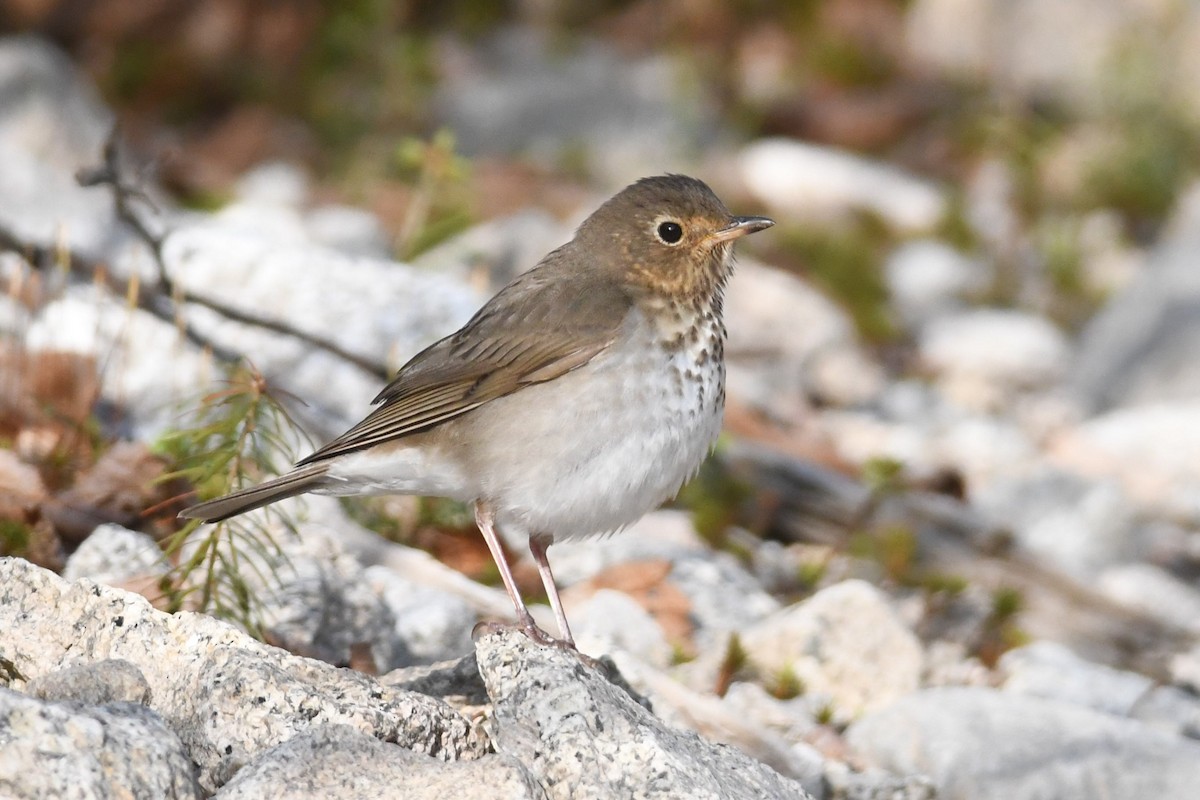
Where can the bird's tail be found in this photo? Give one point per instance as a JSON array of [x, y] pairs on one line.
[[295, 482]]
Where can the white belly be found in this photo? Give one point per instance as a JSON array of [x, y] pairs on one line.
[[598, 447]]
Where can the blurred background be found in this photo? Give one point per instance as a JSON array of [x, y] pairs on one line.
[[962, 366]]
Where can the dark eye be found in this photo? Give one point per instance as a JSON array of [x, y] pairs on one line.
[[670, 232]]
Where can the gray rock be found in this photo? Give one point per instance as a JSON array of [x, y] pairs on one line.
[[1154, 591], [51, 124], [845, 644], [225, 695], [432, 624], [775, 364], [843, 783], [1170, 709], [274, 183], [154, 370], [1185, 669], [966, 345], [611, 620], [660, 535], [518, 91], [582, 737], [1051, 671], [1020, 46], [725, 597], [926, 277], [261, 259], [457, 682], [1148, 448], [1141, 347], [113, 554], [1078, 524], [500, 248], [339, 761], [797, 180], [95, 684], [64, 750], [349, 230], [982, 744], [316, 601]]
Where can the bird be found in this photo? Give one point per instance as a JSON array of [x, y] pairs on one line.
[[583, 395]]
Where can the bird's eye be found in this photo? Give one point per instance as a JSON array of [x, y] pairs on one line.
[[670, 232]]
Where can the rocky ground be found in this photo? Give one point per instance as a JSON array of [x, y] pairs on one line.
[[962, 564]]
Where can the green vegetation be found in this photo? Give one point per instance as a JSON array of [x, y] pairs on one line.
[[846, 261], [240, 433], [786, 684]]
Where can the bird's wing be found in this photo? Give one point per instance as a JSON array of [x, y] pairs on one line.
[[544, 324]]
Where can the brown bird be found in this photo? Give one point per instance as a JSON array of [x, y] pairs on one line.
[[581, 396]]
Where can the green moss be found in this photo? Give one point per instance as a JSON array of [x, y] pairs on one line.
[[786, 684], [715, 498], [893, 548], [845, 260], [1007, 602], [14, 537], [810, 573]]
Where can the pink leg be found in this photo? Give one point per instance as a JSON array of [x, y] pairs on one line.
[[537, 546], [485, 519]]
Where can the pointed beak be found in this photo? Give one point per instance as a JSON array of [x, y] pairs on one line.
[[739, 227]]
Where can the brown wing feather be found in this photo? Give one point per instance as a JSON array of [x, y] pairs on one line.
[[505, 346]]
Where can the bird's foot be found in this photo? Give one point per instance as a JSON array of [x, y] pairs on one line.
[[527, 627]]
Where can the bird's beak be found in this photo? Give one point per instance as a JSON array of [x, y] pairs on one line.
[[739, 227]]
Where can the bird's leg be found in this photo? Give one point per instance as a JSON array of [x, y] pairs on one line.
[[537, 546], [485, 518]]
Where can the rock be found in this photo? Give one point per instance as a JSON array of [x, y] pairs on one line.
[[1051, 671], [1169, 709], [315, 600], [67, 750], [1153, 591], [774, 364], [876, 784], [582, 737], [1148, 449], [112, 555], [52, 124], [662, 534], [845, 643], [260, 260], [983, 744], [517, 91], [275, 183], [801, 182], [725, 597], [1004, 350], [501, 248], [226, 696], [1079, 525], [927, 277], [348, 230], [1185, 669], [96, 684], [433, 624], [151, 370], [1140, 348], [340, 761], [457, 682], [611, 620], [1019, 45], [749, 727]]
